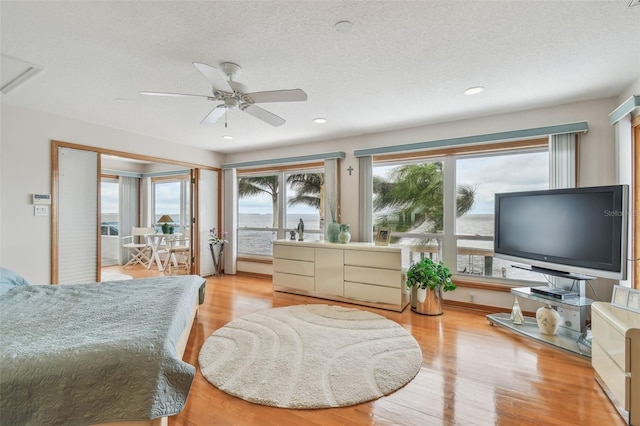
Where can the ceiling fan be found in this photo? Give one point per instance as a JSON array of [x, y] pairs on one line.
[[234, 95]]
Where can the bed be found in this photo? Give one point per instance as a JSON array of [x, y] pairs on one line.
[[96, 353]]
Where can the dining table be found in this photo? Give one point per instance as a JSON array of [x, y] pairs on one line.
[[158, 243]]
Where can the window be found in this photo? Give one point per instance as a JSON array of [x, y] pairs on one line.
[[266, 213], [109, 221], [483, 177], [410, 198], [109, 206], [171, 196]]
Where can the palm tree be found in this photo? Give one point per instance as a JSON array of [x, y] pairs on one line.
[[414, 193], [258, 185], [308, 187]]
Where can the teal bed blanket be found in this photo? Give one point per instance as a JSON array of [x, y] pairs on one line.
[[93, 353]]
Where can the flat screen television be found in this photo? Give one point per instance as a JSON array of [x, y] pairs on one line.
[[579, 231]]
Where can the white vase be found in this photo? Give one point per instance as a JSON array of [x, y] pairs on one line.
[[548, 320]]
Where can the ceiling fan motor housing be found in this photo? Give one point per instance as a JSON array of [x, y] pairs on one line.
[[231, 102]]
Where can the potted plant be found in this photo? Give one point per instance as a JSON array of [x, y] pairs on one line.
[[427, 280]]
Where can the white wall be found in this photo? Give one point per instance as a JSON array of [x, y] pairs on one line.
[[25, 160]]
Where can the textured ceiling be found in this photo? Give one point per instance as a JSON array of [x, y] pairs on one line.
[[404, 63]]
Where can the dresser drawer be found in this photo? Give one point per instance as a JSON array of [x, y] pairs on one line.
[[383, 277], [293, 252], [297, 282], [610, 338], [372, 293], [297, 267], [384, 260], [614, 378]]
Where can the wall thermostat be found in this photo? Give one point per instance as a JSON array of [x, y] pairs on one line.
[[41, 198]]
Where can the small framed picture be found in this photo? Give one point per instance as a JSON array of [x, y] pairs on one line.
[[620, 296], [383, 236], [633, 303]]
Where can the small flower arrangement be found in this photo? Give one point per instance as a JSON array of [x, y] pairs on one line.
[[215, 239]]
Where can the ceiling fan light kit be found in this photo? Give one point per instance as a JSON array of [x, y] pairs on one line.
[[233, 94]]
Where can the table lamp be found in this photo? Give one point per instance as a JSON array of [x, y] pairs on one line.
[[165, 219]]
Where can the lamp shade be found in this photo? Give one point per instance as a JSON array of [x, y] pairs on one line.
[[165, 218]]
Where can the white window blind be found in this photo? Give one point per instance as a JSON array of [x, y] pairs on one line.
[[78, 176], [230, 181]]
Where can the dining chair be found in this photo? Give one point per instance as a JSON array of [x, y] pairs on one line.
[[178, 254], [139, 250]]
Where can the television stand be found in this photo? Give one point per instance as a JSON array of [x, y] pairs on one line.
[[555, 273], [573, 314]]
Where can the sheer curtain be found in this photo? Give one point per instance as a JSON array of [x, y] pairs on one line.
[[365, 165], [129, 211], [562, 161]]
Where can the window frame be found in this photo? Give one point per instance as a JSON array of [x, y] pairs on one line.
[[449, 157], [281, 230], [184, 225]]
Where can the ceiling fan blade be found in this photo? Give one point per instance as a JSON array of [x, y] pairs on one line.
[[262, 114], [215, 77], [214, 115], [175, 94], [293, 95]]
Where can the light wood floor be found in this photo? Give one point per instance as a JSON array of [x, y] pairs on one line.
[[472, 373]]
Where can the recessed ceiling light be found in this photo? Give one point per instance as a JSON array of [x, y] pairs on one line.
[[227, 137], [343, 27], [122, 100], [319, 120], [474, 90]]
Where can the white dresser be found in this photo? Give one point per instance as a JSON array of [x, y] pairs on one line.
[[360, 273], [616, 357]]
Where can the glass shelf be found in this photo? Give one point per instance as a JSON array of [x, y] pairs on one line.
[[573, 314], [573, 301], [566, 339]]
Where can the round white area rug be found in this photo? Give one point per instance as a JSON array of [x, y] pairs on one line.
[[310, 356]]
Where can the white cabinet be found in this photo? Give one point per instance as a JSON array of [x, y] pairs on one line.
[[329, 272], [616, 357], [374, 277], [294, 267], [361, 273]]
